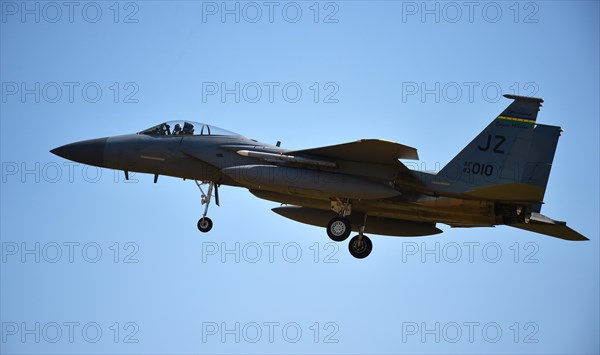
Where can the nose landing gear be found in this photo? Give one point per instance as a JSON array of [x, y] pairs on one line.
[[205, 224]]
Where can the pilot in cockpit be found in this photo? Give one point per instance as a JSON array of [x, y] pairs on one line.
[[177, 129], [188, 128], [165, 129]]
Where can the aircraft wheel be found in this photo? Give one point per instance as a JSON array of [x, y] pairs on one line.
[[360, 249], [205, 224], [339, 229]]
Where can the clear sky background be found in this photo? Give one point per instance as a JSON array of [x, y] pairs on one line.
[[91, 264]]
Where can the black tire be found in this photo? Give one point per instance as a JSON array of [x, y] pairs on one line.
[[339, 229], [360, 249], [205, 224]]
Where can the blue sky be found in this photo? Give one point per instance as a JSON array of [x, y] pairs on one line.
[[91, 264]]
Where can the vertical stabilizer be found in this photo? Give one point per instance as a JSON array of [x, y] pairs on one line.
[[510, 159]]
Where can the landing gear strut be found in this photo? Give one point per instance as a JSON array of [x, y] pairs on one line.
[[360, 246], [205, 224], [339, 228]]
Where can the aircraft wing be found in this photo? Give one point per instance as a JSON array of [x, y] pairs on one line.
[[365, 150]]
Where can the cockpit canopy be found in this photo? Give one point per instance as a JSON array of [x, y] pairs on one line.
[[182, 128]]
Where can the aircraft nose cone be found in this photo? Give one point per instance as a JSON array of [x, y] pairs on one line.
[[90, 152]]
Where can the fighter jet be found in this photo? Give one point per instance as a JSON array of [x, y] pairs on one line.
[[363, 186]]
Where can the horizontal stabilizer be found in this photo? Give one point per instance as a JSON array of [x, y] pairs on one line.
[[545, 225], [365, 150]]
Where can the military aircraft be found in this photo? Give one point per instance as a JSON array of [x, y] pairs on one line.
[[498, 179]]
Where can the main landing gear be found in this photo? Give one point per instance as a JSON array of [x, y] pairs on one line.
[[205, 224], [360, 246], [339, 229]]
